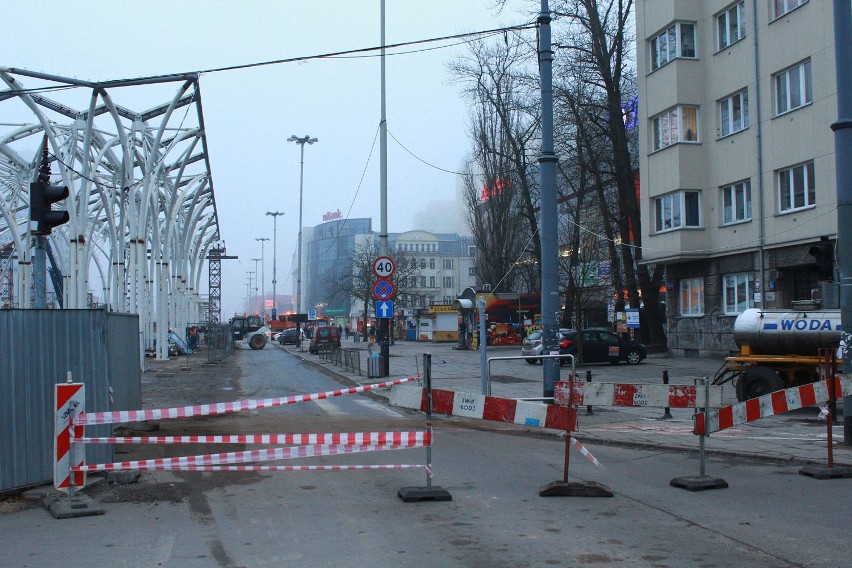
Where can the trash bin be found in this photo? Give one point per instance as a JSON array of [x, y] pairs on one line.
[[373, 366]]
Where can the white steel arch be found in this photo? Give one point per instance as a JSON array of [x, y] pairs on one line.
[[142, 207]]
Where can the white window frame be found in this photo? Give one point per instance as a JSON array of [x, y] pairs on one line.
[[670, 211], [786, 180], [726, 35], [691, 297], [736, 199], [667, 45], [667, 126], [737, 292], [733, 113], [781, 7], [793, 87]]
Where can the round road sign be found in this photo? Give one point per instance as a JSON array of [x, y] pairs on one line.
[[383, 267]]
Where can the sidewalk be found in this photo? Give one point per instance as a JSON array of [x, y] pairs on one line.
[[797, 436]]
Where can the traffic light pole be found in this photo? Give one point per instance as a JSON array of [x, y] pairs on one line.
[[40, 272]]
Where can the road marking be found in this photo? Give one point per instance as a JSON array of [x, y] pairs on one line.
[[332, 407], [378, 407]]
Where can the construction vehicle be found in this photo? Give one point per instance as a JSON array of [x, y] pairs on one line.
[[249, 331], [779, 349]]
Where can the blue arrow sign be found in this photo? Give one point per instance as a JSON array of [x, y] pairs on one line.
[[384, 310]]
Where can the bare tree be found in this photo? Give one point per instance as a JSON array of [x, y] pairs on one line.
[[600, 39], [501, 190]]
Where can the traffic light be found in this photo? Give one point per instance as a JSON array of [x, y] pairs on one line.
[[42, 196], [823, 253]]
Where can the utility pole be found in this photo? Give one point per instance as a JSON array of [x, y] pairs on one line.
[[384, 323], [842, 156], [260, 308], [549, 245], [274, 215]]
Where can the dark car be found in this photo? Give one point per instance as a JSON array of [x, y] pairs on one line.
[[324, 335], [289, 337], [601, 346]]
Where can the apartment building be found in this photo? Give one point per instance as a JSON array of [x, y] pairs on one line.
[[737, 158]]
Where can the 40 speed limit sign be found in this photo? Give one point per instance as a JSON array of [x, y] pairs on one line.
[[383, 267]]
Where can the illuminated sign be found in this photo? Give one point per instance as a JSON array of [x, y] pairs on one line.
[[500, 185], [332, 215]]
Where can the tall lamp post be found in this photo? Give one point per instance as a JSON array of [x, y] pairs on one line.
[[274, 215], [256, 278], [301, 142], [262, 272]]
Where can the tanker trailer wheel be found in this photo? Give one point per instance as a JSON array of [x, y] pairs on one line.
[[257, 341], [758, 381]]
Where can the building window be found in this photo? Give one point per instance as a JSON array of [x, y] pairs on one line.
[[733, 113], [679, 124], [432, 282], [730, 25], [448, 282], [448, 264], [793, 88], [737, 292], [677, 210], [422, 281], [781, 7], [432, 263], [673, 42], [471, 251], [796, 187], [471, 271], [692, 297], [423, 263], [736, 202]]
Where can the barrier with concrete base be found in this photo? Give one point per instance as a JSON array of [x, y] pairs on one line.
[[70, 466]]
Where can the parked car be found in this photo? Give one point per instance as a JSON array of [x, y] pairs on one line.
[[601, 346], [324, 335], [289, 336], [532, 347]]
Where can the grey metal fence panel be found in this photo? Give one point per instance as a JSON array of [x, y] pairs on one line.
[[37, 350]]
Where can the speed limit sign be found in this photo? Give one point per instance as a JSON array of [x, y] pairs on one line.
[[383, 267]]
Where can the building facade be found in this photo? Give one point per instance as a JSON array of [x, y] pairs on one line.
[[737, 160]]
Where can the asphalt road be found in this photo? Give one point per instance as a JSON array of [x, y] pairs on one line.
[[771, 516]]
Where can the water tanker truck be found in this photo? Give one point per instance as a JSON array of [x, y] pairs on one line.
[[778, 349]]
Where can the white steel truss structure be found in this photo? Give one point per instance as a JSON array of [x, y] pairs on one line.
[[141, 205]]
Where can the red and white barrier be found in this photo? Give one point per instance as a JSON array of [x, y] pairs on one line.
[[70, 402], [186, 463], [329, 438], [222, 407], [484, 407], [652, 395], [770, 404]]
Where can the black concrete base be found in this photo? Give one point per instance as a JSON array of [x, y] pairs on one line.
[[825, 472], [64, 507], [574, 489], [415, 494], [699, 483]]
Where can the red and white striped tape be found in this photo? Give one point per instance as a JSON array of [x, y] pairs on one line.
[[485, 407], [328, 438], [222, 407], [184, 463], [70, 402], [298, 467], [626, 394], [586, 453], [770, 404]]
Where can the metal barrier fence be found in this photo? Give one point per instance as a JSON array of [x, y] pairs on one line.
[[349, 359], [219, 342]]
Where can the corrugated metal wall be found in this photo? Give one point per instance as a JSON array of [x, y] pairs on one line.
[[37, 349]]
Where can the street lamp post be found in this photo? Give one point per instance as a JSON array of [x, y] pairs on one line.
[[249, 278], [259, 308], [274, 215], [262, 272], [301, 142]]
